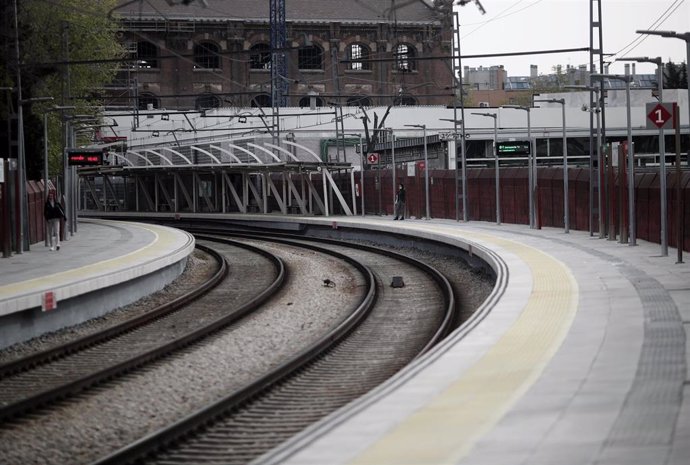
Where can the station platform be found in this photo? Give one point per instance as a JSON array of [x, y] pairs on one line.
[[580, 355], [104, 265], [582, 358]]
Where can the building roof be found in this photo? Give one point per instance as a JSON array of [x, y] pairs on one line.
[[323, 11]]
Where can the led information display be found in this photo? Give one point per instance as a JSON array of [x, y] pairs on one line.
[[84, 157], [513, 147]]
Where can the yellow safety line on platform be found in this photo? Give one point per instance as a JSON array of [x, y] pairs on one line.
[[162, 237], [446, 429]]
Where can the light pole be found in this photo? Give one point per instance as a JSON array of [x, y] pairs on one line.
[[597, 110], [45, 157], [6, 228], [662, 152], [23, 242], [498, 182], [361, 172], [686, 37], [70, 179], [631, 153], [566, 213], [531, 166], [393, 163], [463, 165], [426, 167]]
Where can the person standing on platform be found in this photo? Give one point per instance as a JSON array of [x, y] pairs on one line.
[[53, 214], [400, 203]]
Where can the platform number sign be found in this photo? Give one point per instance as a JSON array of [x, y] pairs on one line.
[[48, 302], [373, 158], [659, 115]]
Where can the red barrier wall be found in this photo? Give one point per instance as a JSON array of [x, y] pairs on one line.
[[481, 199]]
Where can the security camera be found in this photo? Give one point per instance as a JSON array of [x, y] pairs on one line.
[[585, 108]]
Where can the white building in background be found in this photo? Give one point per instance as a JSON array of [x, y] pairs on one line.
[[316, 129], [491, 78]]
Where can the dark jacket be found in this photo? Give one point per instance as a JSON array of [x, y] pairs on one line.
[[400, 197], [53, 211]]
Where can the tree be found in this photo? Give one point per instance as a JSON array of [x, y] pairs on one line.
[[675, 76], [65, 48]]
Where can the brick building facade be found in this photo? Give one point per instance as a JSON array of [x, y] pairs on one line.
[[373, 52]]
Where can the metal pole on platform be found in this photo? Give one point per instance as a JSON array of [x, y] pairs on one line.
[[631, 153], [46, 173], [663, 225], [597, 111], [426, 167], [566, 202], [393, 164], [426, 174], [682, 36], [531, 166], [679, 193], [496, 163], [566, 214], [361, 173]]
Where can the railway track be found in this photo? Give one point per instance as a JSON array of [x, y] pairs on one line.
[[352, 359], [38, 379], [308, 380], [89, 424]]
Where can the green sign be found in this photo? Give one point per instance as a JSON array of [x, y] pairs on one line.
[[520, 147]]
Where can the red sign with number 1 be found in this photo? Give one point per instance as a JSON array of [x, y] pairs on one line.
[[659, 115]]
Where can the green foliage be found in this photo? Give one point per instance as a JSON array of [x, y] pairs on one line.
[[70, 30], [675, 76], [52, 34]]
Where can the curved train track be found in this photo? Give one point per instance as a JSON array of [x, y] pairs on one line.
[[383, 331], [355, 357], [38, 379]]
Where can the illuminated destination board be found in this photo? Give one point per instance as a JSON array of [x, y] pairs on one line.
[[513, 147], [84, 157]]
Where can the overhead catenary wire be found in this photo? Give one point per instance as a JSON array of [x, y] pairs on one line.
[[653, 27]]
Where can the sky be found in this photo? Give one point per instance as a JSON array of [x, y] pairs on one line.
[[537, 25]]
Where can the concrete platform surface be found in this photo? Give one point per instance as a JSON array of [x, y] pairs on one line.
[[583, 360], [579, 357], [104, 265]]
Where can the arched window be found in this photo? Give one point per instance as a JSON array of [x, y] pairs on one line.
[[359, 52], [310, 57], [305, 102], [262, 100], [206, 101], [260, 56], [148, 101], [404, 57], [358, 101], [147, 55], [404, 100], [206, 56]]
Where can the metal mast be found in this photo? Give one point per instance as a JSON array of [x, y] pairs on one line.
[[596, 54], [279, 83]]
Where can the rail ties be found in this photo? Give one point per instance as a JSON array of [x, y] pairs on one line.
[[390, 327], [41, 378]]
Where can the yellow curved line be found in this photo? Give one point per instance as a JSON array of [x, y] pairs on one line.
[[447, 428]]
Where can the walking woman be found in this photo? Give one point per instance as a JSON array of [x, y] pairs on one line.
[[53, 213], [400, 203]]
